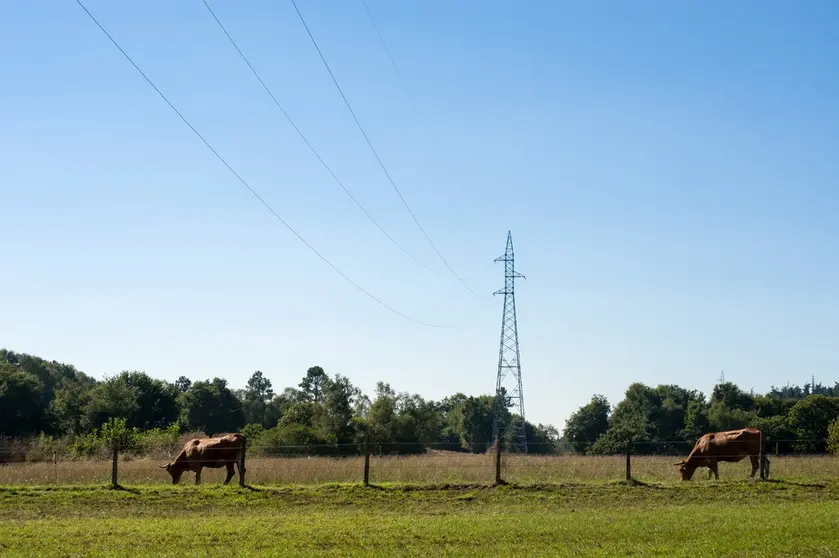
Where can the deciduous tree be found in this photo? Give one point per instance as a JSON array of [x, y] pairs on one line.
[[588, 423]]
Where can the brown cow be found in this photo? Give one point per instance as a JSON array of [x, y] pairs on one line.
[[729, 446], [214, 453]]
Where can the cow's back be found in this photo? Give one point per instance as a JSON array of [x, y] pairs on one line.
[[745, 440], [729, 442], [211, 449]]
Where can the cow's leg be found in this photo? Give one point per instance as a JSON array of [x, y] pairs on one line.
[[714, 469], [766, 466], [755, 464], [229, 472], [198, 476]]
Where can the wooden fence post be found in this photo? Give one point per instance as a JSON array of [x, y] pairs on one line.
[[366, 464], [114, 475], [761, 458], [498, 460], [629, 461], [242, 463]]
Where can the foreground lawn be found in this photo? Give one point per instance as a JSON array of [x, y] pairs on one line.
[[708, 519]]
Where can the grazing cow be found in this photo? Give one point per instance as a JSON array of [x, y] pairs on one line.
[[214, 453], [730, 446]]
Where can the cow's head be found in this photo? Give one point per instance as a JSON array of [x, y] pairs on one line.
[[685, 470], [176, 472]]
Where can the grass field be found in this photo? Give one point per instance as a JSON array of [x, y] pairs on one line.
[[436, 467], [726, 518]]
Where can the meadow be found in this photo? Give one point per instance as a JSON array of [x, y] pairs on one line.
[[440, 504], [434, 467], [711, 518]]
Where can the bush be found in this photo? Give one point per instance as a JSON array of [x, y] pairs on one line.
[[776, 432], [293, 439], [131, 441], [833, 437], [810, 417], [89, 445], [116, 431], [253, 435], [158, 440], [44, 447], [11, 450]]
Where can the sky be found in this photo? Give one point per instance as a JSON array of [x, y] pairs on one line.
[[668, 172]]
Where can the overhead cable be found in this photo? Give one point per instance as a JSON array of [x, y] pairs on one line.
[[309, 145], [243, 181], [373, 149]]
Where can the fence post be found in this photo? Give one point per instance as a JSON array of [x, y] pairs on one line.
[[114, 476], [242, 463], [761, 458], [366, 464], [498, 460], [55, 465], [629, 461]]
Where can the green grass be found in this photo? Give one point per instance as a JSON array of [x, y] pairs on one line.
[[743, 518]]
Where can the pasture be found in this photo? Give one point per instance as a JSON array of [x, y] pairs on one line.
[[434, 467], [435, 504], [708, 518]]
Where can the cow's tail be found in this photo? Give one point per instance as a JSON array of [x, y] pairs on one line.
[[241, 438]]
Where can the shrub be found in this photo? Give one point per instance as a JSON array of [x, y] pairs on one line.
[[294, 439], [100, 442], [157, 440], [11, 450], [833, 437], [44, 447], [253, 434], [88, 445]]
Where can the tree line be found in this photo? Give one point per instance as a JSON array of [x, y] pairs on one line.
[[671, 418], [323, 413], [328, 414]]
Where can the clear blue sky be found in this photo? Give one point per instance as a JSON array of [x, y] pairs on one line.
[[669, 174]]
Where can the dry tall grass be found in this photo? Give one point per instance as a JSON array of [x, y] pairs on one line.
[[553, 469], [435, 467]]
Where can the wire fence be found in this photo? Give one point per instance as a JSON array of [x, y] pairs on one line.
[[350, 463]]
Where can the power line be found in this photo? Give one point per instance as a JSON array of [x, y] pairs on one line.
[[400, 76], [242, 180], [387, 50], [309, 145], [373, 149]]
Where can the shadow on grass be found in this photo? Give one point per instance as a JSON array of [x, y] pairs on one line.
[[395, 487], [806, 484], [121, 488], [638, 482], [386, 488]]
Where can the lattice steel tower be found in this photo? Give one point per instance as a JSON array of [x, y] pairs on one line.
[[508, 392]]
